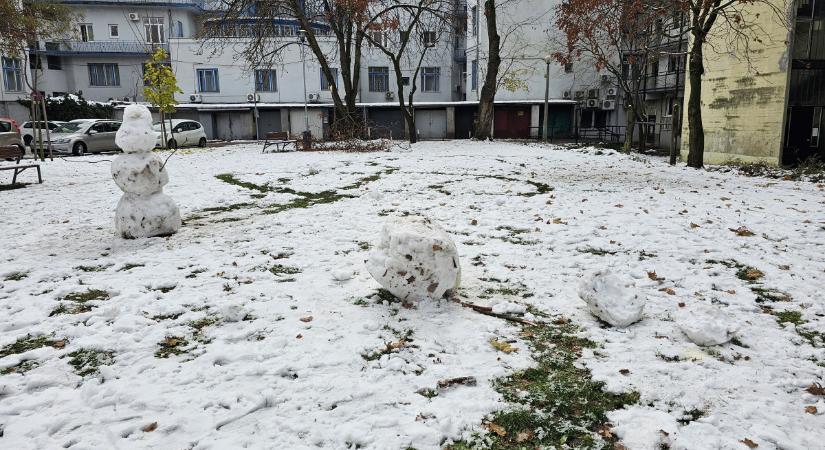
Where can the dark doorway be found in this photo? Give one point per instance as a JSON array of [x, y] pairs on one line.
[[803, 135]]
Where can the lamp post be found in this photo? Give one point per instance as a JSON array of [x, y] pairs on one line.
[[306, 136], [547, 59]]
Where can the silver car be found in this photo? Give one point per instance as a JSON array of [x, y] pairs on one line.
[[85, 137]]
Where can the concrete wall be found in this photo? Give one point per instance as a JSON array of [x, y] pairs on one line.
[[743, 109]]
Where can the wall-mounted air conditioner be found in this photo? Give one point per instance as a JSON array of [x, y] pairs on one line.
[[611, 93], [314, 97], [607, 78], [609, 105], [592, 103], [593, 93], [580, 94], [390, 95], [195, 98], [134, 17], [566, 95], [255, 97]]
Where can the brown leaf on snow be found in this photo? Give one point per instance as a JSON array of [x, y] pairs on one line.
[[618, 205], [502, 346], [605, 431], [742, 231], [681, 304], [811, 409], [694, 225], [749, 443], [654, 277], [668, 291], [754, 274], [624, 371], [558, 221], [306, 319], [150, 428], [495, 428], [474, 222], [816, 389], [437, 248], [524, 436]]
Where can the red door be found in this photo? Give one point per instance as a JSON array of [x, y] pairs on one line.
[[512, 122]]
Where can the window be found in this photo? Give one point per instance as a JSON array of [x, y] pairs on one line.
[[54, 62], [379, 79], [177, 29], [104, 74], [474, 12], [430, 78], [405, 81], [12, 75], [674, 63], [154, 30], [379, 37], [325, 85], [474, 75], [265, 81], [568, 68], [208, 80], [86, 32], [429, 38], [114, 32], [35, 63]]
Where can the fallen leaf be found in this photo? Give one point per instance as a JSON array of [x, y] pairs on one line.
[[654, 277], [668, 291], [694, 225], [784, 267], [749, 443], [742, 231], [502, 346], [437, 248], [474, 222], [618, 205], [681, 304], [816, 389], [306, 319], [150, 428], [300, 336], [731, 291], [59, 344], [811, 409], [495, 428], [754, 274], [465, 381], [624, 371], [523, 436], [558, 221]]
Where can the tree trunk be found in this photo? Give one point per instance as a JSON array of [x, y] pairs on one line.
[[674, 133], [696, 140], [484, 125], [630, 128]]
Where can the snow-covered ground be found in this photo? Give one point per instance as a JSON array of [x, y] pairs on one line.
[[256, 325]]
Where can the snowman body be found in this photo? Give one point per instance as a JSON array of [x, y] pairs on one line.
[[143, 210]]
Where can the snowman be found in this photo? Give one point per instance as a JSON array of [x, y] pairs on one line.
[[143, 210]]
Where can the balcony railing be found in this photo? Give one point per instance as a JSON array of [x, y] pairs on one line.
[[106, 47], [662, 82]]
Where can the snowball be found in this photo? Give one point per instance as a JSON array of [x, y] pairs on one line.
[[415, 259], [643, 428], [705, 324], [143, 210], [342, 274], [233, 312], [612, 299]]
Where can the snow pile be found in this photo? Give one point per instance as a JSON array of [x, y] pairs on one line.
[[644, 428], [143, 210], [705, 324], [612, 299], [415, 259]]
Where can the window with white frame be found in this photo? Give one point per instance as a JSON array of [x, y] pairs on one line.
[[154, 30], [208, 80], [114, 31], [12, 75], [104, 74], [429, 38], [379, 37], [430, 79], [87, 33], [325, 84], [177, 29], [379, 78], [265, 80]]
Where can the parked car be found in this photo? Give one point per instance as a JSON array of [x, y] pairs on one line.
[[181, 133], [27, 130], [85, 137], [10, 133]]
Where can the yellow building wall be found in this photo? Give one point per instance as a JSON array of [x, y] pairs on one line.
[[744, 102]]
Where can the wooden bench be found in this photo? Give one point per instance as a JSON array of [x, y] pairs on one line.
[[280, 140], [14, 152]]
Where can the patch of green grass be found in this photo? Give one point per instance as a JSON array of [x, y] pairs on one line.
[[306, 200], [794, 317], [280, 270], [71, 308], [171, 346], [20, 368], [195, 273], [515, 291], [130, 266], [172, 316], [764, 295], [229, 178], [692, 416], [87, 296], [29, 342], [369, 179], [91, 268], [199, 325], [227, 208], [554, 404], [162, 288], [87, 361], [15, 276], [596, 251]]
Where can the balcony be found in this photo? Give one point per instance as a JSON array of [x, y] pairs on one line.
[[460, 54], [199, 4], [664, 82], [80, 48]]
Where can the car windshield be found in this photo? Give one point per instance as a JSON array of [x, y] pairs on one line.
[[69, 127]]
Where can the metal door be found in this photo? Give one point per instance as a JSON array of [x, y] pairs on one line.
[[431, 123]]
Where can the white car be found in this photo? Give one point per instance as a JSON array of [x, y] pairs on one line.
[[180, 133], [27, 130]]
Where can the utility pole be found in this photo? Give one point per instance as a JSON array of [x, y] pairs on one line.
[[306, 136], [546, 124]]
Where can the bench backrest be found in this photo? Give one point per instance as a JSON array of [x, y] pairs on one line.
[[10, 151], [277, 136]]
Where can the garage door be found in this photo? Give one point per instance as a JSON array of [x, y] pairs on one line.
[[431, 123], [386, 123], [269, 120]]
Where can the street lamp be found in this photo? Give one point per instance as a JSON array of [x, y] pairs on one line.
[[547, 59], [302, 34]]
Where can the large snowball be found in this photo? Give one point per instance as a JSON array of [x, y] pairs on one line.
[[705, 325], [139, 173], [611, 298], [139, 216], [135, 133], [415, 259]]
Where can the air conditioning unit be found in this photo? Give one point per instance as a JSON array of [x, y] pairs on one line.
[[390, 95], [607, 78], [134, 17], [254, 97], [609, 105], [195, 98], [566, 95], [592, 103], [314, 97], [593, 93], [580, 94], [611, 93]]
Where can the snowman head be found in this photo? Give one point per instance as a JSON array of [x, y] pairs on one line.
[[135, 133]]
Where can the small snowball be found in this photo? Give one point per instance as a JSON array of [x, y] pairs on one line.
[[644, 428], [342, 274], [705, 324], [612, 299], [415, 259]]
